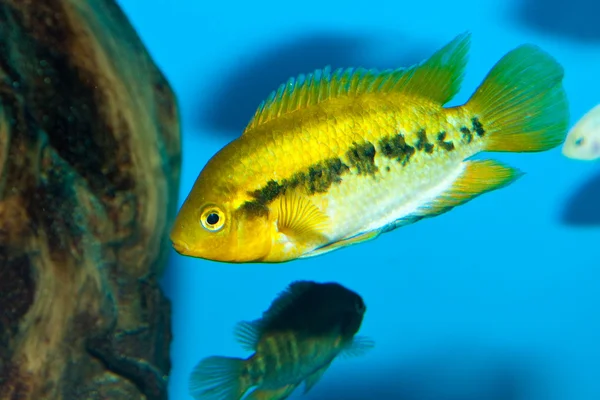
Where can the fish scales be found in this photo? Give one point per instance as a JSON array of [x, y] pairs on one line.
[[280, 356], [371, 170], [281, 359]]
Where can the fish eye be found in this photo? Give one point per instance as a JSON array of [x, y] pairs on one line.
[[579, 141], [212, 219]]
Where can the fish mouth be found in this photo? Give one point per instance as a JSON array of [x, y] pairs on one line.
[[181, 247]]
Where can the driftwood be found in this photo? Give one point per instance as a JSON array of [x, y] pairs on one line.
[[89, 176]]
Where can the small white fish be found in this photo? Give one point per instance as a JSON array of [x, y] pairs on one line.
[[583, 140]]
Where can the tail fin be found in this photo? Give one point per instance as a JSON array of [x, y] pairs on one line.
[[218, 378], [521, 105]]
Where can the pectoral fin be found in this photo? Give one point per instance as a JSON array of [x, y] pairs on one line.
[[299, 219], [359, 346]]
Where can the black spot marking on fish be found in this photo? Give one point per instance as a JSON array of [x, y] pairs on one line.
[[362, 157], [423, 143], [396, 147], [255, 208], [318, 178], [466, 134], [477, 126], [387, 168], [269, 192], [321, 176], [448, 146]]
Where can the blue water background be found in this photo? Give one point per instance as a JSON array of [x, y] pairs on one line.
[[498, 299]]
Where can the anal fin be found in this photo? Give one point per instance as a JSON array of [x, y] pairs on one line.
[[272, 394], [477, 178]]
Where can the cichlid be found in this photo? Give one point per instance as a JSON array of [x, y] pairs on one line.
[[583, 140], [303, 331], [337, 158]]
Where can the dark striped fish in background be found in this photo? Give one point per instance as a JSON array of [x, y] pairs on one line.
[[336, 158], [306, 327]]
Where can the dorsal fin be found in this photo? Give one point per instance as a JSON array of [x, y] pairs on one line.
[[438, 78], [247, 333]]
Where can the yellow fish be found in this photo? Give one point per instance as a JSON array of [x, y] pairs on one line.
[[299, 336], [337, 158]]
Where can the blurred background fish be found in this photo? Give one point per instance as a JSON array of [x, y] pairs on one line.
[[583, 140], [337, 158], [306, 327]]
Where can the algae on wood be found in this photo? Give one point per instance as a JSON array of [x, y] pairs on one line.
[[89, 176]]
